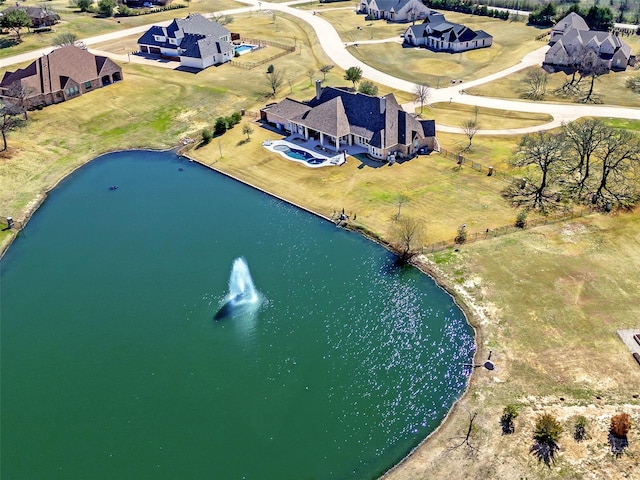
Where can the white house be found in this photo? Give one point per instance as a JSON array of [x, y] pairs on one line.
[[395, 10], [196, 41]]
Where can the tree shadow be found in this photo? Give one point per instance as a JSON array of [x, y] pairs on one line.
[[243, 141], [617, 444], [545, 452], [7, 42]]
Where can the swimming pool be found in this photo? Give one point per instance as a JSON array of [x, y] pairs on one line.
[[298, 154], [242, 49]]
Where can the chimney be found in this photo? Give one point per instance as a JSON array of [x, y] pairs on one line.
[[318, 89], [383, 104]]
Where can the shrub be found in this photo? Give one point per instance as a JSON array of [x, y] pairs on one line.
[[509, 414], [235, 118], [521, 219], [633, 83], [580, 428], [220, 126], [546, 434], [620, 425], [462, 234], [270, 68], [368, 88], [207, 135]]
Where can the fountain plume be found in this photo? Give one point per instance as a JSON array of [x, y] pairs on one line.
[[243, 297]]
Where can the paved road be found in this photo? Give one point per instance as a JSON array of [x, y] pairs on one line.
[[337, 51]]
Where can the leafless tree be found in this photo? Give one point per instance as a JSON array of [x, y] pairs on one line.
[[408, 233], [310, 73], [584, 137], [470, 127], [466, 440], [591, 67], [535, 82], [423, 94], [543, 150], [275, 78], [619, 163], [19, 94], [8, 120]]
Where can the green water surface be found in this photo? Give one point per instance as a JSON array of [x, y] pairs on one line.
[[113, 368]]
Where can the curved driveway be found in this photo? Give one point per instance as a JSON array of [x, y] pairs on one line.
[[337, 51]]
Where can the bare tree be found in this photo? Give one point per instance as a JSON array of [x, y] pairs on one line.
[[247, 130], [543, 150], [456, 442], [275, 77], [408, 233], [423, 94], [20, 94], [535, 82], [310, 73], [591, 67], [8, 120], [470, 127], [401, 199], [619, 159], [584, 137]]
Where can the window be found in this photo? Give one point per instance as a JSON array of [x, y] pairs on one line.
[[87, 84], [173, 41]]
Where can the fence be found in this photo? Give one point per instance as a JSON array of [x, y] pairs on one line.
[[477, 166], [504, 230], [286, 49], [544, 35]]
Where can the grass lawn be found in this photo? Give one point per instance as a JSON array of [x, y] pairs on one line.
[[488, 118], [85, 25], [547, 301], [512, 40], [552, 299]]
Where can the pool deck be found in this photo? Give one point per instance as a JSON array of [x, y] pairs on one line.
[[330, 156]]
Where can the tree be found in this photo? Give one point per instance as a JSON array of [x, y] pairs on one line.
[[220, 126], [247, 130], [310, 73], [591, 67], [541, 153], [546, 434], [65, 39], [619, 160], [408, 233], [84, 5], [106, 7], [470, 128], [8, 121], [16, 20], [584, 137], [509, 414], [633, 83], [325, 69], [401, 199], [275, 79], [223, 19], [20, 94], [354, 75], [423, 94], [618, 430], [599, 18], [207, 135], [368, 88], [535, 82]]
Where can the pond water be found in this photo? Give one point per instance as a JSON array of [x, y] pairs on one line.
[[114, 367]]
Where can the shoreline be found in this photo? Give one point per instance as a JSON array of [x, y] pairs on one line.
[[419, 262]]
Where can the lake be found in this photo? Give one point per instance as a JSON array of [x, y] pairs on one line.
[[113, 365]]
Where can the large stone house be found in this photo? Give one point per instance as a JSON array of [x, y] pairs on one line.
[[338, 117], [571, 40], [437, 34], [194, 40], [395, 10], [40, 17], [64, 73]]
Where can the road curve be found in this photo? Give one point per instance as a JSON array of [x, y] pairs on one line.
[[337, 51]]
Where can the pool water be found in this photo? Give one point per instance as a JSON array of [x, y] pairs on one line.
[[298, 154], [244, 49]]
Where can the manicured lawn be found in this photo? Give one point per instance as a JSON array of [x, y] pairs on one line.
[[85, 25], [610, 88], [488, 118], [512, 40]]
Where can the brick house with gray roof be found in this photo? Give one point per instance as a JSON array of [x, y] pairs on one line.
[[63, 74], [395, 10], [197, 42], [437, 34], [40, 16], [337, 117]]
